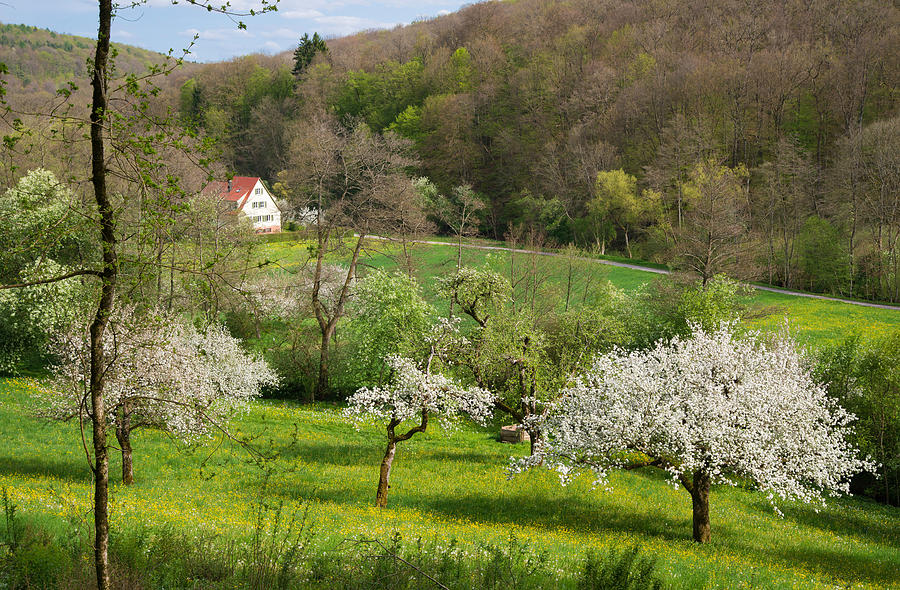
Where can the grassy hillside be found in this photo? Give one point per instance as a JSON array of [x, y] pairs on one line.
[[445, 486], [815, 322]]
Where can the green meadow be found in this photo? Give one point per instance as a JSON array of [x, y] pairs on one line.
[[814, 322], [447, 485], [450, 485]]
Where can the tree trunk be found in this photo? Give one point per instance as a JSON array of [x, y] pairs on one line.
[[327, 324], [107, 297], [385, 476], [123, 435], [322, 382], [700, 501], [534, 437]]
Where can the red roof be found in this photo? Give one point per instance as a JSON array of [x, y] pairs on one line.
[[240, 188]]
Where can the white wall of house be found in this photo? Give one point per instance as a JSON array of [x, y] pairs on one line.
[[261, 209]]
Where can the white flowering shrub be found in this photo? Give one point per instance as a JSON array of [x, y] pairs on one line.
[[707, 409], [161, 372], [417, 393]]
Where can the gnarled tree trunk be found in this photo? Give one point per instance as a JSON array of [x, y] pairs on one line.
[[385, 476], [123, 435], [700, 502]]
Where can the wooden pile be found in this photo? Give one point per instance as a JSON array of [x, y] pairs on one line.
[[513, 433]]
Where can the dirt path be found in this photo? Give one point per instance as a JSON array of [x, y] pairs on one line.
[[658, 271]]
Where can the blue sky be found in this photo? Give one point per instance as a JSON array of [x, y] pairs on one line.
[[160, 26]]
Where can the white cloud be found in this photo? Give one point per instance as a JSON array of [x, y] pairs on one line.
[[282, 33], [306, 14], [219, 34], [345, 25]]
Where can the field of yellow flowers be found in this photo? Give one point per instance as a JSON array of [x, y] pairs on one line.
[[446, 485]]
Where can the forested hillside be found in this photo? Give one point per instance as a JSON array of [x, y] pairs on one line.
[[757, 138], [41, 61]]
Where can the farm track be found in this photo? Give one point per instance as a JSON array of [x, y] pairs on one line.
[[658, 271]]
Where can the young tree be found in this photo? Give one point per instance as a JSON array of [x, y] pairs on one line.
[[160, 372], [618, 201], [459, 211], [416, 393], [709, 238], [705, 409], [350, 178]]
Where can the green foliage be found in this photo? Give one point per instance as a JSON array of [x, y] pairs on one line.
[[823, 256], [478, 293], [668, 307], [535, 212], [409, 123], [864, 375], [379, 97], [40, 218], [31, 316], [463, 71], [619, 570], [579, 334], [387, 316], [306, 51], [190, 103]]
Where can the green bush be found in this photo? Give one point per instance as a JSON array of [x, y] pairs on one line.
[[625, 570]]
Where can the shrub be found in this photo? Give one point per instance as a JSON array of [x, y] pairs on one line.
[[625, 570]]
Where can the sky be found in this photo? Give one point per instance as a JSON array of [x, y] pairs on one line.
[[160, 26]]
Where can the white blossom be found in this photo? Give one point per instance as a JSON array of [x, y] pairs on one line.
[[730, 407], [413, 391], [167, 373]]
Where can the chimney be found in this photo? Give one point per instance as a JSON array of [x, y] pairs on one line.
[[229, 185]]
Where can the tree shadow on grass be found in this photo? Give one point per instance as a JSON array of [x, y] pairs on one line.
[[584, 517], [45, 466], [355, 453], [534, 508], [847, 518], [345, 455]]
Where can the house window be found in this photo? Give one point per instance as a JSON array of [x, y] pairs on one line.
[[258, 191]]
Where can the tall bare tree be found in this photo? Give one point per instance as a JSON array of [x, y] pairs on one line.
[[349, 178], [709, 239]]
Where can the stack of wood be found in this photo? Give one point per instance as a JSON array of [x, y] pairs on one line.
[[513, 433]]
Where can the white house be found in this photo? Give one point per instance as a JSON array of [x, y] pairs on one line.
[[248, 195]]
